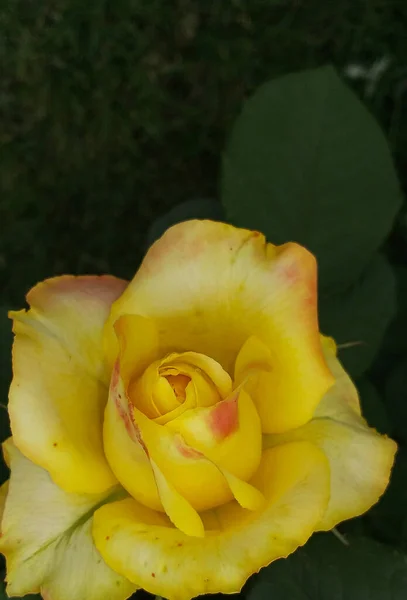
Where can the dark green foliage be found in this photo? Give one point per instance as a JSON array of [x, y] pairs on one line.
[[360, 315], [316, 169], [327, 569], [113, 112], [202, 208]]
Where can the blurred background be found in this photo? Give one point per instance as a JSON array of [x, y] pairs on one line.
[[113, 112]]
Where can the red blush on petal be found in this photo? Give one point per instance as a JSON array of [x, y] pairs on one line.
[[224, 419], [186, 451]]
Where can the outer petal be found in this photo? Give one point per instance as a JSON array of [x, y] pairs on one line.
[[342, 402], [46, 537], [143, 545], [360, 459], [3, 497], [209, 286], [58, 393]]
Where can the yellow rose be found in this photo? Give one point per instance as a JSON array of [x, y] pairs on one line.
[[179, 432]]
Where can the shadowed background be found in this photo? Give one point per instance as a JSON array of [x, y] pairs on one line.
[[113, 112]]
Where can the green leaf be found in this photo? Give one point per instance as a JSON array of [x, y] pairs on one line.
[[307, 162], [396, 399], [396, 337], [200, 208], [373, 407], [361, 315], [403, 224], [326, 569]]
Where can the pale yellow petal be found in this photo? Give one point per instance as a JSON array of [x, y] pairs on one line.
[[209, 287], [84, 302], [342, 401], [47, 541], [145, 547], [3, 497], [360, 459], [59, 388]]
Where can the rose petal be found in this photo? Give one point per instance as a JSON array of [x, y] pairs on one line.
[[228, 434], [143, 545], [59, 388], [137, 338], [46, 538], [360, 459], [127, 457]]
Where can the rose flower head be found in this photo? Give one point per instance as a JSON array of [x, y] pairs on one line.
[[180, 431]]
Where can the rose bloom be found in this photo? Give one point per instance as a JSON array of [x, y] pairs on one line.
[[181, 431]]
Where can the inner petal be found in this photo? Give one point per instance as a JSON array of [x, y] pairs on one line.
[[178, 383], [164, 397]]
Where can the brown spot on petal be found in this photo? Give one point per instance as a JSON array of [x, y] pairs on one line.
[[135, 429], [128, 420], [115, 376], [125, 409], [124, 416]]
